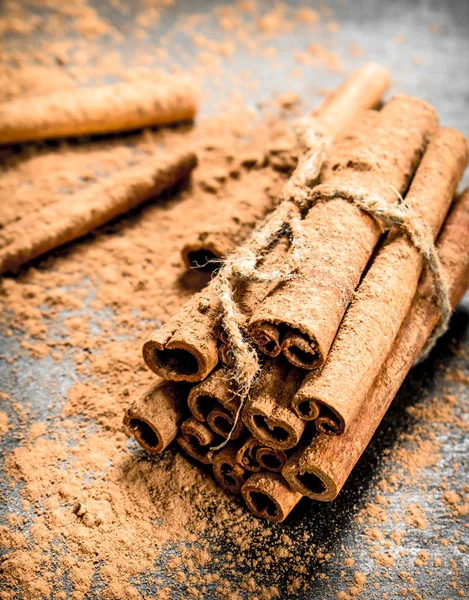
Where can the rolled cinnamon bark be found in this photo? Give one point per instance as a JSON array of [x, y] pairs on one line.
[[186, 348], [153, 420], [271, 459], [227, 471], [214, 400], [73, 217], [228, 227], [269, 336], [196, 439], [340, 238], [362, 90], [320, 470], [384, 296], [254, 456], [118, 107], [267, 412], [269, 496]]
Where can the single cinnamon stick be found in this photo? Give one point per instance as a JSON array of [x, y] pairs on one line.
[[153, 420], [254, 456], [269, 336], [267, 412], [320, 470], [271, 459], [340, 238], [384, 296], [361, 91], [196, 439], [186, 348], [214, 401], [229, 225], [227, 471], [75, 216], [118, 107], [235, 220], [269, 496]]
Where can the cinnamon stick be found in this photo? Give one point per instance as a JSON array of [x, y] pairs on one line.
[[269, 496], [196, 439], [77, 215], [228, 226], [384, 296], [321, 469], [234, 221], [361, 91], [214, 401], [271, 459], [153, 420], [122, 106], [254, 456], [339, 238], [227, 471], [267, 412], [186, 348]]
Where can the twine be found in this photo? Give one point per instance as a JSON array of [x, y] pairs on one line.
[[297, 196]]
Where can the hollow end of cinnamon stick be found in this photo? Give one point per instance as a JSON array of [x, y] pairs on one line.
[[154, 418], [226, 355], [301, 351], [327, 420], [269, 496], [145, 434], [203, 257], [306, 409], [271, 459], [313, 482], [176, 361], [221, 421], [280, 430], [247, 455], [196, 439], [268, 337], [227, 471]]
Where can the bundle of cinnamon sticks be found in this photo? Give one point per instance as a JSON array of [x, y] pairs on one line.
[[353, 288]]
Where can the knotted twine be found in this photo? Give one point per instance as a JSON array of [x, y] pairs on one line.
[[299, 195]]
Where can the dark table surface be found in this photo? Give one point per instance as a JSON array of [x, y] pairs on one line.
[[429, 58]]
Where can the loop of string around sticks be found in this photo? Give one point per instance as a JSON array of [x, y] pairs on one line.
[[299, 194]]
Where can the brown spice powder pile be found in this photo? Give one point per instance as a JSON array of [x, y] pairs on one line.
[[93, 516]]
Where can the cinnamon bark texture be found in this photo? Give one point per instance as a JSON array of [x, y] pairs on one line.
[[320, 470], [214, 400], [268, 414], [339, 238], [269, 336], [271, 459], [269, 496], [254, 456], [360, 91], [196, 439], [74, 216], [154, 418], [118, 107], [186, 348], [384, 296], [227, 471], [228, 227]]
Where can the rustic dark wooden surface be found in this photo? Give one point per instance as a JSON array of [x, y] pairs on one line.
[[442, 77]]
